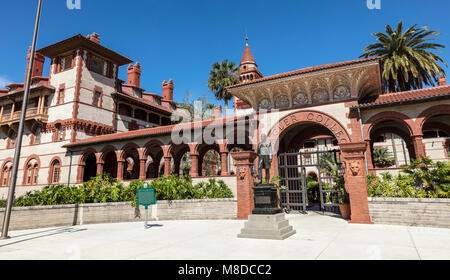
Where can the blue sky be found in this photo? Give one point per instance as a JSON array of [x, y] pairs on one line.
[[182, 39]]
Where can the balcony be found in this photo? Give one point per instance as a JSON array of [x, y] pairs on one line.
[[32, 115]]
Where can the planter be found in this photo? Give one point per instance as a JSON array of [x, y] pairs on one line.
[[345, 210]]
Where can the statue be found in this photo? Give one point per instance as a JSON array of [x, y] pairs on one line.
[[265, 156]]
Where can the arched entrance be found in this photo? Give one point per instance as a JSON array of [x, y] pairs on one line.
[[308, 143], [295, 130]]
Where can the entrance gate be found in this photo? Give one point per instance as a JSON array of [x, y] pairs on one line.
[[301, 192]]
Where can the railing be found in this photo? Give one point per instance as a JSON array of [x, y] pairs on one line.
[[31, 113]]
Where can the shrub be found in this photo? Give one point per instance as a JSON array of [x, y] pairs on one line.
[[107, 189], [421, 179]]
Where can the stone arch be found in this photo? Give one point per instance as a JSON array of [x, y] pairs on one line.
[[390, 116], [108, 157], [86, 167], [424, 116], [288, 122]]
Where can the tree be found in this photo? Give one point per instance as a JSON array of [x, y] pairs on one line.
[[189, 108], [222, 75], [406, 57]]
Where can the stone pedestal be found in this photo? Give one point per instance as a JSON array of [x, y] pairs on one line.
[[274, 227], [266, 200]]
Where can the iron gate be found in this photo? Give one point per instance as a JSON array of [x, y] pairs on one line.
[[294, 168]]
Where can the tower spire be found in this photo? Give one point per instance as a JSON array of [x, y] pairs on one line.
[[249, 68]]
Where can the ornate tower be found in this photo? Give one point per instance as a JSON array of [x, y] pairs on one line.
[[248, 67]]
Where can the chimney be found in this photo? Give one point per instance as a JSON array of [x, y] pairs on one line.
[[442, 80], [38, 64], [167, 89], [134, 75], [94, 37]]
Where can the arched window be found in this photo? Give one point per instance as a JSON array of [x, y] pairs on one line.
[[55, 172], [31, 173], [6, 175]]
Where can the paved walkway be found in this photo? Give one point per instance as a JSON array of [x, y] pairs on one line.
[[318, 237]]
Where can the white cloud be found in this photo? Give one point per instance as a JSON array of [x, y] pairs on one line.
[[4, 82]]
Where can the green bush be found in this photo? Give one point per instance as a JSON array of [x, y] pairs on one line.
[[107, 189], [421, 179]]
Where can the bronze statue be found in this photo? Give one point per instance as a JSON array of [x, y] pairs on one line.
[[265, 156]]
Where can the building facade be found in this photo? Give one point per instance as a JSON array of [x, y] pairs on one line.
[[82, 120]]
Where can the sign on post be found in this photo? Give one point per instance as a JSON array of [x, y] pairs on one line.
[[146, 196]]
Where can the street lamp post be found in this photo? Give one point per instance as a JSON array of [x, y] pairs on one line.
[[12, 185]]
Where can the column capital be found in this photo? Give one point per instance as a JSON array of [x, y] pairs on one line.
[[353, 150], [244, 157]]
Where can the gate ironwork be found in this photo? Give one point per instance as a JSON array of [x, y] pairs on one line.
[[294, 168]]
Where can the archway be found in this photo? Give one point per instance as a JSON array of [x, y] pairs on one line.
[[303, 142], [109, 158], [90, 167]]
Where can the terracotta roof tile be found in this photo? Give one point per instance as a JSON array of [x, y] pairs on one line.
[[151, 131], [405, 96]]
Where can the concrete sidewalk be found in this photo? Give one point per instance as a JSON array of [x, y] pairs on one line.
[[318, 238]]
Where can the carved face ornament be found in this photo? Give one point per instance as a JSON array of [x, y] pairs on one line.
[[354, 168]]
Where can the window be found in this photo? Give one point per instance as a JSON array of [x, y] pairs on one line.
[[6, 174], [56, 171], [29, 174], [12, 140], [35, 174], [65, 63], [97, 98], [59, 133], [37, 136], [60, 97], [97, 65]]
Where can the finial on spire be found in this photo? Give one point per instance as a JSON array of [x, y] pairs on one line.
[[246, 37]]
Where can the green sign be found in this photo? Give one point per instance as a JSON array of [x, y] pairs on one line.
[[146, 196]]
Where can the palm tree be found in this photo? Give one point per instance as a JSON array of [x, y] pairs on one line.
[[406, 59], [382, 157], [222, 75]]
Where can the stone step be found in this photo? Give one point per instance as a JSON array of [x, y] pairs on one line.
[[272, 226], [267, 234]]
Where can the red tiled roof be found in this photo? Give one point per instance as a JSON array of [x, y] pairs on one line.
[[406, 96], [248, 56], [306, 70], [152, 131]]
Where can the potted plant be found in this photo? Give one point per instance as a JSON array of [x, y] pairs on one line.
[[332, 168], [344, 202]]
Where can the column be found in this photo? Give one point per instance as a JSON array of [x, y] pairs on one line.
[[224, 163], [120, 165], [419, 147], [369, 155], [356, 181], [194, 165], [245, 183], [167, 165], [100, 167], [142, 173]]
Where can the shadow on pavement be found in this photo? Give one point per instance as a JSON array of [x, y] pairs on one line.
[[44, 233]]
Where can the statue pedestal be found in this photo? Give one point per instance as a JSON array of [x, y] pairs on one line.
[[267, 221], [274, 227], [266, 200]]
